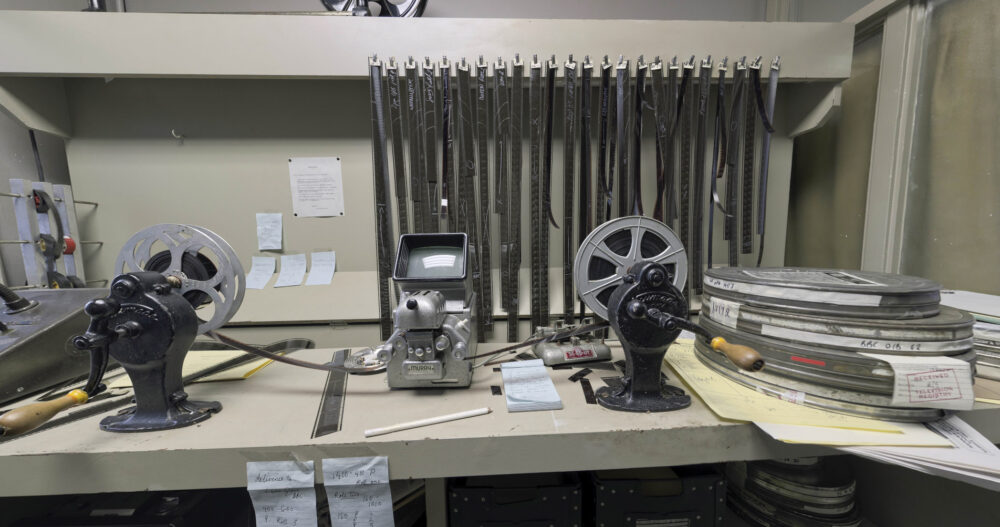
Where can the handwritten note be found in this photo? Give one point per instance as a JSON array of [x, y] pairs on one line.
[[528, 387], [317, 188], [260, 272], [282, 493], [724, 311], [293, 270], [323, 265], [358, 491], [930, 382], [269, 231]]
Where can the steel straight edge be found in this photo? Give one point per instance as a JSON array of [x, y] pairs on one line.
[[165, 469], [233, 45]]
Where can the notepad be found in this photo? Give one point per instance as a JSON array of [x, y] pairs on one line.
[[528, 387]]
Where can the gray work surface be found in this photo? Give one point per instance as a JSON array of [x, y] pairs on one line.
[[271, 415]]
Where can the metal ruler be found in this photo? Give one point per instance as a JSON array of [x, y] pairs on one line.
[[383, 211]]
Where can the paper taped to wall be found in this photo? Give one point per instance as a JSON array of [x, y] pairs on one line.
[[261, 271], [269, 231], [317, 186], [293, 270], [323, 265]]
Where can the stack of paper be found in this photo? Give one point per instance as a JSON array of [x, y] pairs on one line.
[[973, 458], [528, 387]]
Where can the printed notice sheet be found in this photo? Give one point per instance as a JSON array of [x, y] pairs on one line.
[[323, 265], [528, 387], [293, 270], [930, 382], [269, 231], [260, 272], [282, 493], [358, 491], [317, 186]]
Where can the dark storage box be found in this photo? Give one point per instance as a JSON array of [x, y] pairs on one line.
[[530, 500], [659, 497]]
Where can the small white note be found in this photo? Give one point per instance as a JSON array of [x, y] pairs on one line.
[[317, 186], [323, 265], [930, 382], [724, 311], [293, 270], [269, 231], [358, 491], [282, 492], [261, 272], [528, 387]]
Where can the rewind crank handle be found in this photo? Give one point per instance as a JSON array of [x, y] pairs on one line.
[[97, 338], [745, 357]]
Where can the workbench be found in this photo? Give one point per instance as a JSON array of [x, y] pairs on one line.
[[270, 416]]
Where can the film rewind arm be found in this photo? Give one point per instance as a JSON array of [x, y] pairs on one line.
[[745, 357]]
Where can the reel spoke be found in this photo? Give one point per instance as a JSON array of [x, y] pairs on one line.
[[608, 253], [225, 288]]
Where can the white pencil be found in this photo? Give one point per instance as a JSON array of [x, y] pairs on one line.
[[426, 422]]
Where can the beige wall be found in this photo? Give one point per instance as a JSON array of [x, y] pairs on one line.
[[952, 225], [830, 174]]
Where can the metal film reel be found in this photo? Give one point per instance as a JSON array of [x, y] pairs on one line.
[[225, 288], [611, 249]]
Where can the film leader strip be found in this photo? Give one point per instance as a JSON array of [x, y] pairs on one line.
[[383, 210], [485, 289], [330, 415]]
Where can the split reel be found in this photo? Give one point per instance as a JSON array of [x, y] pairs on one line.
[[609, 251], [211, 276]]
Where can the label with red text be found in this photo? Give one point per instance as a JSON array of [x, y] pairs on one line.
[[930, 382]]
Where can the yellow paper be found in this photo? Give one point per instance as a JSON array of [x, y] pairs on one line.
[[731, 400], [201, 360], [913, 434], [989, 401]]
